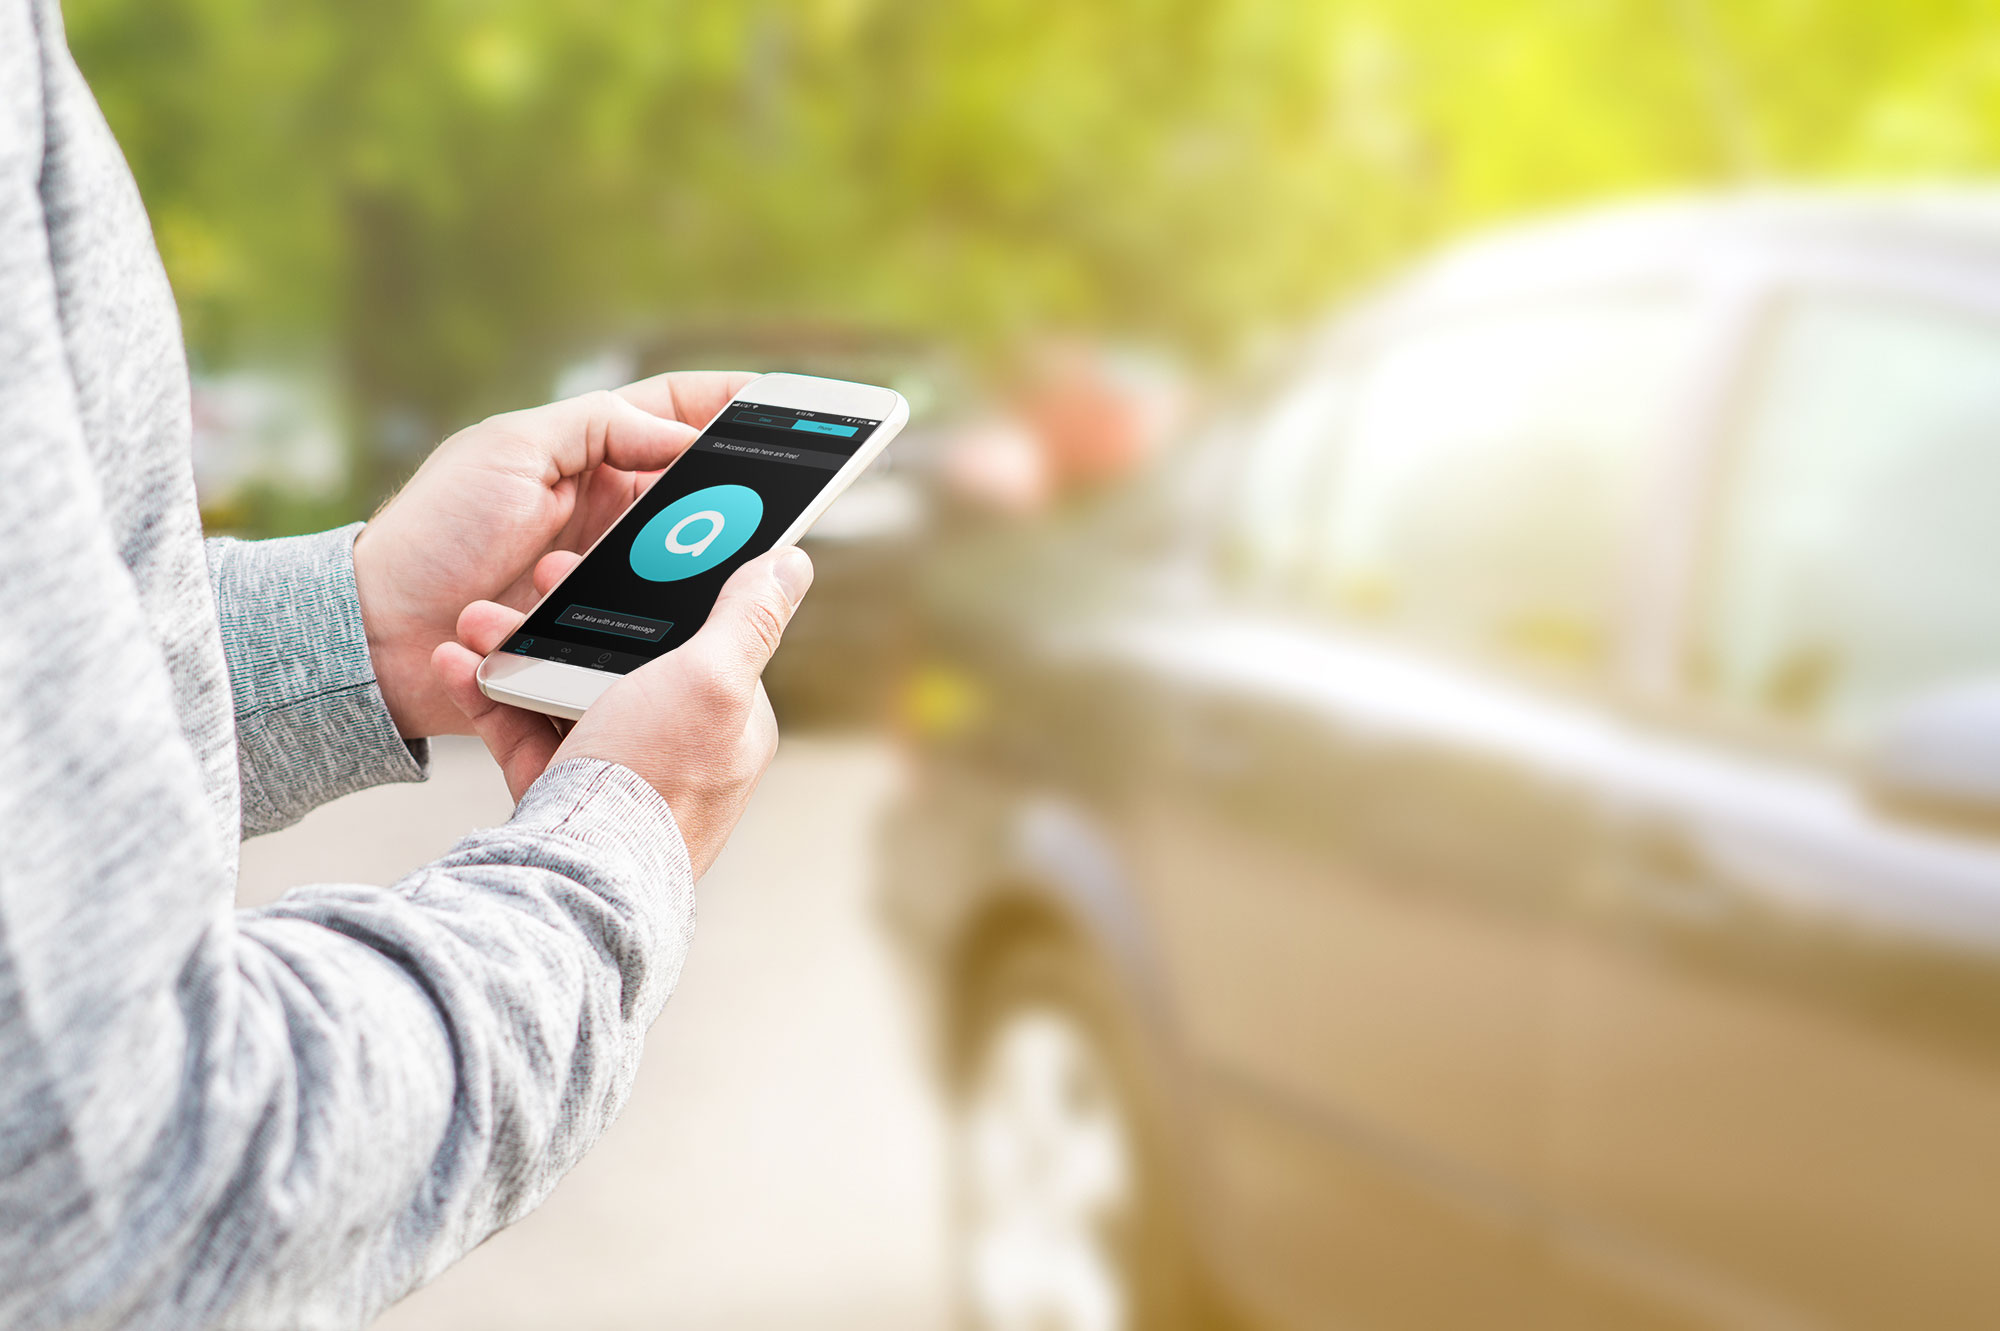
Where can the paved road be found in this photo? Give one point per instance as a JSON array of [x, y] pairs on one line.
[[779, 1164]]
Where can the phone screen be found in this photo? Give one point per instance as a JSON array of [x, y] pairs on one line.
[[652, 580]]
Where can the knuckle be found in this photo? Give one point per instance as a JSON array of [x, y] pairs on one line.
[[601, 406]]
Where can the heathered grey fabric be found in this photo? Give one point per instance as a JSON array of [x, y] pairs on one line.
[[309, 725], [276, 1118]]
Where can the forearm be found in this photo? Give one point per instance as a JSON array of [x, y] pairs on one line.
[[365, 1082], [539, 953]]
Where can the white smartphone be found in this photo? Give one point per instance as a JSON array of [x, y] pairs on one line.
[[765, 468]]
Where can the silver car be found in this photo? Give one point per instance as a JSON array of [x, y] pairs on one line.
[[1507, 835]]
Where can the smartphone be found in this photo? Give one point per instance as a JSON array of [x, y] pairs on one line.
[[762, 472]]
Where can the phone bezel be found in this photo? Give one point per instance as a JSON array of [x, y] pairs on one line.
[[567, 690]]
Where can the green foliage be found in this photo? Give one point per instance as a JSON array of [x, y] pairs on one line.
[[448, 193]]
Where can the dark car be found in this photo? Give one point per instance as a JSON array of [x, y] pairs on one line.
[[1508, 834]]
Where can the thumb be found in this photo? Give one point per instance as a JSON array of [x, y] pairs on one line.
[[751, 614], [574, 435]]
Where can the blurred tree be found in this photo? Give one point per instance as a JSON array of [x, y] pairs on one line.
[[448, 194]]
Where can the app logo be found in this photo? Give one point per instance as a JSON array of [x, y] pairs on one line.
[[696, 532]]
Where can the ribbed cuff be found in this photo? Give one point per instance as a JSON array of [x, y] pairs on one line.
[[614, 812], [311, 723]]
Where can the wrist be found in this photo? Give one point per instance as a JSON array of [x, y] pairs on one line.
[[388, 636]]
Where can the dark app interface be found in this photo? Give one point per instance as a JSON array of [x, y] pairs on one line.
[[652, 580]]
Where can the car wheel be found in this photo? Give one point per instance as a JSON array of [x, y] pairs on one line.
[[1066, 1218]]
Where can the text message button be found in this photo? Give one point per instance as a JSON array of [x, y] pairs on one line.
[[615, 621]]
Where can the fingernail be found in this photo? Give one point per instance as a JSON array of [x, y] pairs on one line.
[[795, 573]]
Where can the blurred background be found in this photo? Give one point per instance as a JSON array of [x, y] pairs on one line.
[[1410, 738]]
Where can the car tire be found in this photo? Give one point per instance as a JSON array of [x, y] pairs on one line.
[[1067, 1215]]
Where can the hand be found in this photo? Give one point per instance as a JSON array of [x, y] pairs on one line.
[[492, 501], [696, 723]]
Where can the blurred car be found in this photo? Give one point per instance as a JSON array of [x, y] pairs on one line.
[[1506, 834]]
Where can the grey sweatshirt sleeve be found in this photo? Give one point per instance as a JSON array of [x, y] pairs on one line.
[[311, 724], [291, 1117], [281, 1118], [399, 1072]]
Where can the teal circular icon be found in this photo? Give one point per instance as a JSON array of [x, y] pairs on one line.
[[696, 532]]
